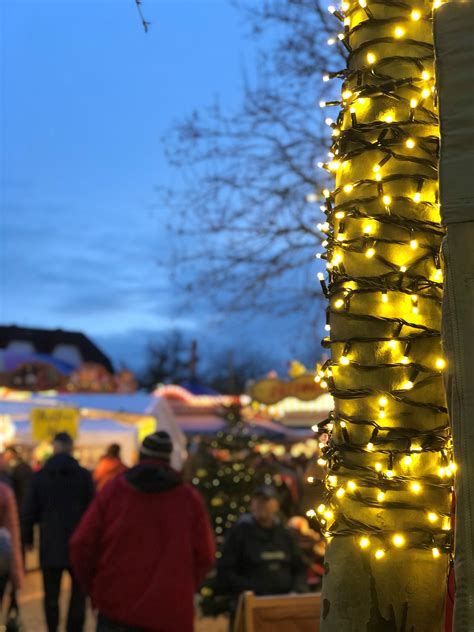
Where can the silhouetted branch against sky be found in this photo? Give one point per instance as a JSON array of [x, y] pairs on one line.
[[247, 232], [145, 24]]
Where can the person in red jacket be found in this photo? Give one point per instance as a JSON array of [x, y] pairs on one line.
[[144, 546]]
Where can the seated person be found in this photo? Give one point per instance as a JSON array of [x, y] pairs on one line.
[[260, 554]]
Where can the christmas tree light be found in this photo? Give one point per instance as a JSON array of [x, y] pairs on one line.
[[390, 446]]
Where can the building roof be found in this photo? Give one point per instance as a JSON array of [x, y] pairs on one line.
[[47, 340]]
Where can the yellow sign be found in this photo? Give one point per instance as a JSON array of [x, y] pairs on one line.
[[47, 422], [272, 390], [145, 427]]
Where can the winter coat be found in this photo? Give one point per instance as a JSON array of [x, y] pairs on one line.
[[9, 521], [58, 497], [142, 549], [20, 474], [266, 561], [107, 469]]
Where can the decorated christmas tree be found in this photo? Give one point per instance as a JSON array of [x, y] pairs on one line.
[[228, 471]]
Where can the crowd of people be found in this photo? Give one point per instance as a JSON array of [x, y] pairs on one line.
[[138, 541]]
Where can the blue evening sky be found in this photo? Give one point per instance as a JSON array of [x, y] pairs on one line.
[[85, 98]]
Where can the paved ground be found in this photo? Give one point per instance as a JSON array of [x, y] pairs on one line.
[[32, 612]]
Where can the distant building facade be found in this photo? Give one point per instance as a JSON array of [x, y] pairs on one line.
[[70, 347]]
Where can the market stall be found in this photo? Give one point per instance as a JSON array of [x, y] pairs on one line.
[[136, 413]]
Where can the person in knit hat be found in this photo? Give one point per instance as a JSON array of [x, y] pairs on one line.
[[144, 545]]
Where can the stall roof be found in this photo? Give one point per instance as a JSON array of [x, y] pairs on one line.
[[136, 404], [211, 424]]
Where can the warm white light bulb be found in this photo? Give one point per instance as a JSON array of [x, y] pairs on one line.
[[398, 540], [379, 554], [386, 200], [399, 32], [364, 542], [371, 59], [410, 143], [370, 253], [415, 15]]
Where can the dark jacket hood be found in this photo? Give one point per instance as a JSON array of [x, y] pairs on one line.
[[153, 478], [61, 463]]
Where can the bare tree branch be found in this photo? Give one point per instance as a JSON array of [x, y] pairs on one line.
[[248, 233], [145, 24]]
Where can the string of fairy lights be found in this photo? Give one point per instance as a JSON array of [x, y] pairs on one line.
[[389, 452]]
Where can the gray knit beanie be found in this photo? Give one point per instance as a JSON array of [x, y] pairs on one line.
[[157, 446]]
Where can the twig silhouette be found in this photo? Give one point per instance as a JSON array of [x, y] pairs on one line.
[[142, 17]]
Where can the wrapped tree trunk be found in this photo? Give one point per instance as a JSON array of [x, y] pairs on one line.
[[390, 476]]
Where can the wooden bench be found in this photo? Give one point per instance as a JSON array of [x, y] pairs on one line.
[[278, 613]]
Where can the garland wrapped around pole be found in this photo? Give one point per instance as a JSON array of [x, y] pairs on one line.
[[389, 454]]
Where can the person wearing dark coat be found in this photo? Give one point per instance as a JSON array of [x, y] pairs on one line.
[[260, 554], [20, 474], [59, 495]]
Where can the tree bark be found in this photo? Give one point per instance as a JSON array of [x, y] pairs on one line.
[[390, 474]]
